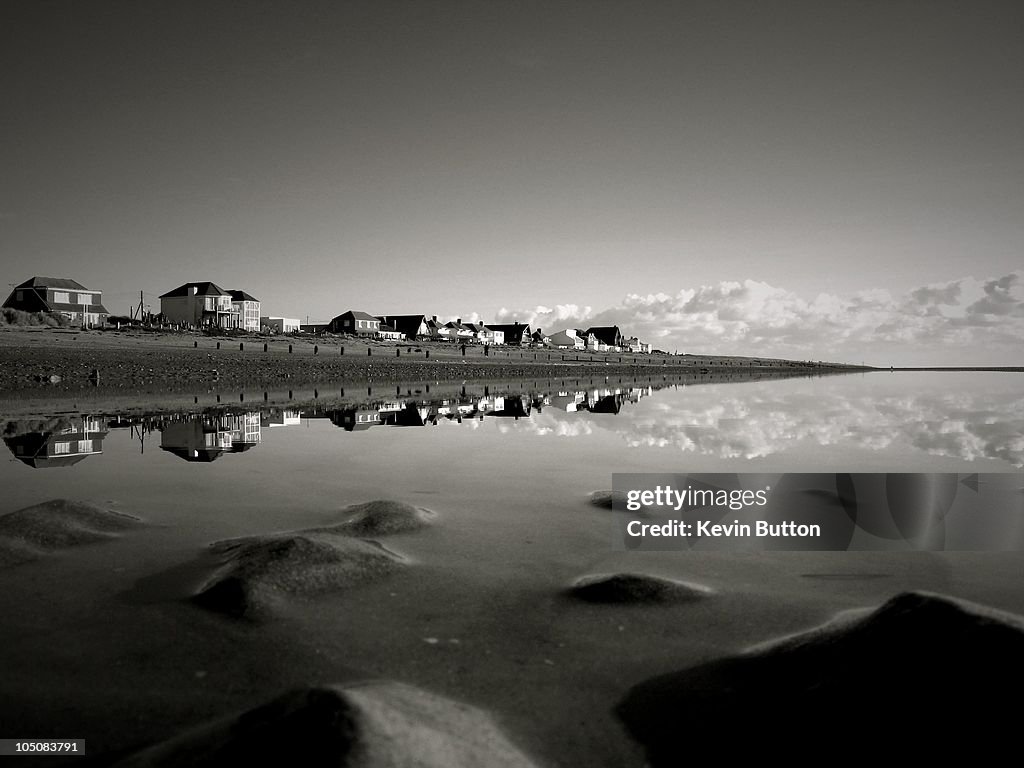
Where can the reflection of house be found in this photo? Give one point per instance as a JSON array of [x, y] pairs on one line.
[[62, 447], [512, 406], [568, 401], [515, 333], [289, 417], [247, 311], [354, 419], [196, 439], [59, 296], [356, 323], [279, 324], [411, 415], [244, 429], [199, 304]]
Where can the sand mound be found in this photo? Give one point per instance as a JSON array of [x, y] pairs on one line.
[[259, 571], [923, 674], [635, 588], [615, 500], [379, 725], [380, 518], [34, 531]]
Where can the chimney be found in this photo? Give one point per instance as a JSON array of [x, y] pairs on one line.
[[458, 321], [435, 318]]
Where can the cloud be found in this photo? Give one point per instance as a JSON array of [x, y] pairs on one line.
[[932, 324]]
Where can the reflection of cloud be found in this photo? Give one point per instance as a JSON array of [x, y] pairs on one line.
[[754, 317], [761, 423]]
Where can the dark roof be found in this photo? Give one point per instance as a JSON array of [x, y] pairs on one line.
[[385, 328], [204, 289], [53, 282], [609, 334], [357, 315], [407, 324], [189, 454], [241, 296], [513, 331]]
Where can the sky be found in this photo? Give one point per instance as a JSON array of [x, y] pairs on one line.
[[819, 180]]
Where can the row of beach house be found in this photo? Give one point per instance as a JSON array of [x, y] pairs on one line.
[[204, 305]]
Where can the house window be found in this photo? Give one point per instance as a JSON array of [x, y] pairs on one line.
[[61, 297], [84, 299], [17, 296], [59, 448]]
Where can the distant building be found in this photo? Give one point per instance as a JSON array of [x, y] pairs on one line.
[[356, 323], [636, 346], [568, 339], [515, 334], [608, 335], [59, 296], [538, 338], [413, 326], [485, 334], [390, 332], [247, 309], [280, 324], [200, 305]]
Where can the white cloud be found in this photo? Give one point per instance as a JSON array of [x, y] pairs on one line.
[[964, 321]]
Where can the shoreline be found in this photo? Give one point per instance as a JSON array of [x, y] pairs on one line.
[[61, 363]]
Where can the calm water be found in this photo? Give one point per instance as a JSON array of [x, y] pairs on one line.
[[520, 444], [478, 615]]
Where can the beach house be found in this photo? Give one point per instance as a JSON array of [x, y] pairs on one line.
[[59, 296], [355, 323], [202, 304]]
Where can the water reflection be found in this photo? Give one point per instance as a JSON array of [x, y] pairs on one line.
[[753, 420], [58, 442]]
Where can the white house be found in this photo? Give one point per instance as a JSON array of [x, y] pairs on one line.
[[279, 324], [247, 309]]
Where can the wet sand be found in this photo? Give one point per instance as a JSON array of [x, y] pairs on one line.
[[105, 641]]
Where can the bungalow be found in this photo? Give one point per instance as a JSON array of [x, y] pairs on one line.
[[485, 334], [437, 330], [568, 339], [609, 335], [199, 304], [539, 339], [515, 333], [458, 331], [390, 332], [59, 296], [636, 346], [280, 324], [247, 310], [413, 326], [356, 323]]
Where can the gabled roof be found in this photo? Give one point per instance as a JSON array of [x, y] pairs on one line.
[[54, 282], [203, 289], [609, 334], [512, 332], [407, 324], [357, 315], [241, 296]]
